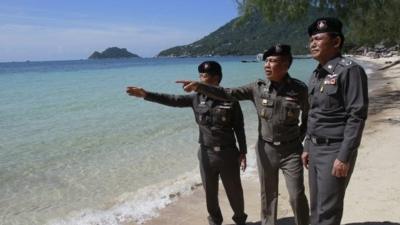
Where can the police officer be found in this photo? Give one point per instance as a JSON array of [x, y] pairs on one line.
[[219, 122], [338, 96], [279, 100]]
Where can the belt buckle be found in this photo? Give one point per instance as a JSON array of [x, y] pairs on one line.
[[217, 148], [276, 143], [314, 140], [320, 140]]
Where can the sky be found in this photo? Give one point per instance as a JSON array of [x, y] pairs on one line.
[[39, 30]]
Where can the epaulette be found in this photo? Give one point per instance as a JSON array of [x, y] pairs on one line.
[[338, 65], [346, 62], [298, 82]]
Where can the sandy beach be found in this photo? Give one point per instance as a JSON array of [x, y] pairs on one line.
[[373, 195]]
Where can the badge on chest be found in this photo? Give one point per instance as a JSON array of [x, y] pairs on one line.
[[331, 79], [266, 107]]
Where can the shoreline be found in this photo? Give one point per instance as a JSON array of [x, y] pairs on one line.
[[371, 198]]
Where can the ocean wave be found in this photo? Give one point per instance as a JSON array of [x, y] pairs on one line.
[[136, 207], [145, 204]]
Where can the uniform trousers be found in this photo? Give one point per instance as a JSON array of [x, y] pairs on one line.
[[287, 157], [326, 191], [225, 164]]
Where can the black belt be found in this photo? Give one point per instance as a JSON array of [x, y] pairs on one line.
[[277, 143], [218, 148], [322, 140]]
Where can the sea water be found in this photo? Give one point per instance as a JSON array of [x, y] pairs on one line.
[[76, 149]]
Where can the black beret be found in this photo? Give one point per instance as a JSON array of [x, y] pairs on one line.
[[210, 67], [278, 50], [325, 25]]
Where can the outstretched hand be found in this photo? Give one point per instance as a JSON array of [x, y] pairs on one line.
[[188, 85], [136, 91]]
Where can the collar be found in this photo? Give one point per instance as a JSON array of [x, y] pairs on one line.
[[329, 67], [331, 64], [286, 80]]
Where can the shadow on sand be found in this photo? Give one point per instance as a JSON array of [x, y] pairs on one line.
[[290, 221], [384, 100], [374, 223], [282, 221]]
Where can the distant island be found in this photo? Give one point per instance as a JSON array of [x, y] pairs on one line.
[[113, 53]]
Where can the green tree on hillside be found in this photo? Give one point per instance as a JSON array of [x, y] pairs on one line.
[[369, 22]]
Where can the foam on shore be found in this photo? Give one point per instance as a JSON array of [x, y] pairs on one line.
[[135, 207], [145, 204]]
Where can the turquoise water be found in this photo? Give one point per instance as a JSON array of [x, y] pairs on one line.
[[75, 149]]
